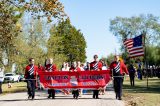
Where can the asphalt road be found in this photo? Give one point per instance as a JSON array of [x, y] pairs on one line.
[[20, 99]]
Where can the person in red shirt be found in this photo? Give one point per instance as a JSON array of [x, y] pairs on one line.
[[79, 66], [118, 68], [40, 69], [30, 76], [96, 66], [50, 67]]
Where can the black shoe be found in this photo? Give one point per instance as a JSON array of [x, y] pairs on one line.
[[93, 97], [76, 97], [119, 98], [32, 98], [49, 96], [97, 98], [53, 97], [116, 96], [29, 97]]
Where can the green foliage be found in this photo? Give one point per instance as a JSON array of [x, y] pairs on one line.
[[9, 29], [67, 41], [130, 27], [55, 47], [148, 25], [153, 55], [31, 43], [17, 45], [109, 59]]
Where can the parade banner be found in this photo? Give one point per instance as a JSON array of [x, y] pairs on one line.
[[81, 79]]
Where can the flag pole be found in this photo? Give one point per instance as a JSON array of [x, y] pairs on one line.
[[145, 60]]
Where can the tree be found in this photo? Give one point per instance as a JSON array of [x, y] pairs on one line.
[[66, 40], [109, 59], [30, 43], [55, 47], [148, 25], [9, 29], [153, 56], [11, 11], [130, 27]]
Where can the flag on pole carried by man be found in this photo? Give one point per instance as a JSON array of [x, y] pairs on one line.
[[135, 46]]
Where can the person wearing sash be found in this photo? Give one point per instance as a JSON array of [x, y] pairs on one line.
[[95, 66], [50, 67], [30, 76], [118, 68]]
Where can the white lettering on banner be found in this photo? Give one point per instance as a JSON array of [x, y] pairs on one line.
[[91, 77], [56, 77], [58, 84], [89, 83]]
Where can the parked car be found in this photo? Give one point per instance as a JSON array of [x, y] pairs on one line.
[[11, 77], [21, 77]]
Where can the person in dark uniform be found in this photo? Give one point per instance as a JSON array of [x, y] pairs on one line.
[[131, 74], [158, 71], [50, 67], [95, 66], [30, 76], [117, 69]]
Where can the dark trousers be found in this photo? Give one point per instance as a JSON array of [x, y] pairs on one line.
[[75, 93], [131, 79], [95, 94], [118, 86], [0, 87], [31, 87], [51, 93]]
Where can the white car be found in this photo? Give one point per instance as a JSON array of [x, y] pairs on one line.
[[11, 77]]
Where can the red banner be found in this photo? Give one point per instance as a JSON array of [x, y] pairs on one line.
[[82, 79]]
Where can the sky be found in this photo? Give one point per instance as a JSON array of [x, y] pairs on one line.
[[93, 17]]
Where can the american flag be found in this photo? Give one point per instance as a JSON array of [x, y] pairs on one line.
[[135, 46]]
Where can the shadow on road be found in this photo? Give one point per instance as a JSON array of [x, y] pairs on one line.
[[14, 100]]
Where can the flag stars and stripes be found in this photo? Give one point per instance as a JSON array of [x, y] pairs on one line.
[[134, 46]]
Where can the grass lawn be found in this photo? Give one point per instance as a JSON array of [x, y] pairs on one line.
[[140, 95], [16, 87]]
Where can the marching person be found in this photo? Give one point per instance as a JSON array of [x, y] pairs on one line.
[[79, 67], [65, 67], [131, 74], [40, 69], [117, 69], [96, 66], [87, 67], [74, 68], [30, 76], [50, 67]]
